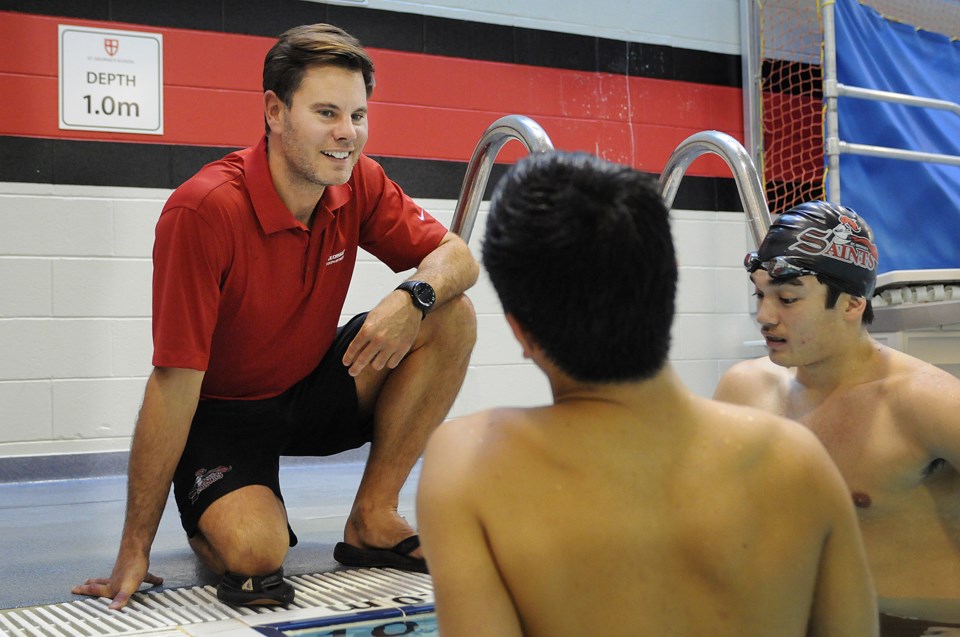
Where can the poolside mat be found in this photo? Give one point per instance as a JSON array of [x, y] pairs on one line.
[[346, 593]]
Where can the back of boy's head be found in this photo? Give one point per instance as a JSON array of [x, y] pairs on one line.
[[580, 253]]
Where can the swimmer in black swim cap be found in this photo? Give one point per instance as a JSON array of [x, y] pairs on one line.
[[824, 239], [887, 419]]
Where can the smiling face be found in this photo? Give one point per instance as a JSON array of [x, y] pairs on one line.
[[798, 328], [322, 132]]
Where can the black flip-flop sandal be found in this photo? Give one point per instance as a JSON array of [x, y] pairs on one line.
[[256, 590], [397, 557]]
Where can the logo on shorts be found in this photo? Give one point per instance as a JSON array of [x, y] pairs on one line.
[[203, 479]]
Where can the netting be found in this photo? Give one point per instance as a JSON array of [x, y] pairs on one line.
[[939, 16], [791, 101], [791, 88]]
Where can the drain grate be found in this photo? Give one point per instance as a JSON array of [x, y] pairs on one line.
[[159, 613]]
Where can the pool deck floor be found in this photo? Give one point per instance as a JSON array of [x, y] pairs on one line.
[[56, 533]]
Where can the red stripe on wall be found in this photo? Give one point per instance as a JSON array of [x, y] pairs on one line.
[[794, 152], [424, 107]]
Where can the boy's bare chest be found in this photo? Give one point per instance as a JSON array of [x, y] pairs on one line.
[[877, 456]]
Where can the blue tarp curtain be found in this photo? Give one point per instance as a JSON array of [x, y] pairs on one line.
[[913, 208]]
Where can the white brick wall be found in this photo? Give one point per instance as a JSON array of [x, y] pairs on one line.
[[30, 282], [27, 410], [708, 25], [713, 321], [75, 342]]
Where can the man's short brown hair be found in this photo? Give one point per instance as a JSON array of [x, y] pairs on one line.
[[307, 46]]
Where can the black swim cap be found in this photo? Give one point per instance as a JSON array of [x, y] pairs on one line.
[[822, 238]]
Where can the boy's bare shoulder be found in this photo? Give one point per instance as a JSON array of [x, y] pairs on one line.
[[769, 439], [466, 455], [756, 382], [917, 377], [479, 436], [924, 401], [755, 370], [742, 380], [476, 428]]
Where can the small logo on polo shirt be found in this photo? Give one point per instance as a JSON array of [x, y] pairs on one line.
[[335, 258]]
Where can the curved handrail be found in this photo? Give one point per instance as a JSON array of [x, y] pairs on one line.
[[729, 149], [518, 127]]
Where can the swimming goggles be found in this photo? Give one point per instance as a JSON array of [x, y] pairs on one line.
[[777, 267]]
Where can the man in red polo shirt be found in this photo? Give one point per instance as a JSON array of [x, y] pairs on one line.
[[252, 262]]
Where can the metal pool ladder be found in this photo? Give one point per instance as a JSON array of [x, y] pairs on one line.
[[752, 195], [535, 139], [518, 127]]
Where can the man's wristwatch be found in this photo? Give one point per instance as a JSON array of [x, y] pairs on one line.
[[422, 294]]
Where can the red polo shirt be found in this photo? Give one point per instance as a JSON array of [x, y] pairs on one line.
[[244, 291]]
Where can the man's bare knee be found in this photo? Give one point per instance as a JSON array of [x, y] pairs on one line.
[[245, 532], [454, 324]]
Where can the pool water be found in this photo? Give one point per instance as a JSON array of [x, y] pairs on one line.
[[421, 623]]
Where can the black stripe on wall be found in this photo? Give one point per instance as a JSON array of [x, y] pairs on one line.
[[793, 78], [93, 163], [409, 32]]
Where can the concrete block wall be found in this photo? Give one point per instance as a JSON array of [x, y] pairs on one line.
[[707, 25], [75, 307], [75, 341], [75, 271]]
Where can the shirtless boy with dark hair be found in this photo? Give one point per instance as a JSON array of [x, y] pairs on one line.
[[890, 421], [629, 506]]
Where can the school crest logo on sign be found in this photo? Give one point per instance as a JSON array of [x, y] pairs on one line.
[[111, 46]]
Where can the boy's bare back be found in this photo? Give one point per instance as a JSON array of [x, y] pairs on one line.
[[636, 516], [628, 506]]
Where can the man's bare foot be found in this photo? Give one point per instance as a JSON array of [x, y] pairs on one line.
[[378, 529]]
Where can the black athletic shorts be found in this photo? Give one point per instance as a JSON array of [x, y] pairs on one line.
[[238, 443], [891, 626]]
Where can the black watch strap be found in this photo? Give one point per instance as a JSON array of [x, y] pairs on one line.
[[422, 293]]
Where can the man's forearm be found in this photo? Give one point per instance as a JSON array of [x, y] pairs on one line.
[[450, 269], [169, 403]]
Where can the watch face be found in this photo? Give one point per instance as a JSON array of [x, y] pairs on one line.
[[425, 294]]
